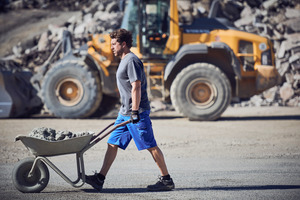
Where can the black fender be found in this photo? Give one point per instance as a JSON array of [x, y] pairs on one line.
[[64, 46], [215, 53], [234, 60], [108, 83]]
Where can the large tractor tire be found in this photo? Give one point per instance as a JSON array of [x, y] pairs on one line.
[[201, 92], [72, 90]]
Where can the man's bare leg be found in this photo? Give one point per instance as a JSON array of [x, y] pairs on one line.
[[97, 180], [159, 159], [165, 182], [109, 158]]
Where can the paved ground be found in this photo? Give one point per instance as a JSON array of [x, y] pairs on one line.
[[250, 153]]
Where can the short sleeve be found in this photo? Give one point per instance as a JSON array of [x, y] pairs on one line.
[[134, 70]]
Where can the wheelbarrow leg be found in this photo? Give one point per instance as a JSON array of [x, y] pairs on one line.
[[30, 174], [80, 166]]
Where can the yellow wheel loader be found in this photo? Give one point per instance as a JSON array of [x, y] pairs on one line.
[[198, 67]]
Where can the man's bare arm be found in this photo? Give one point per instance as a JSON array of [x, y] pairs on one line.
[[136, 94]]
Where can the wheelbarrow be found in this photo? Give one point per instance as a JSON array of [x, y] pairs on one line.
[[31, 175]]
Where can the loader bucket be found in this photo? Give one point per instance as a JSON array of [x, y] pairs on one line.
[[5, 99], [18, 98], [267, 77]]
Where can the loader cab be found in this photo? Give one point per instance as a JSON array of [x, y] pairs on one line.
[[154, 27], [149, 22]]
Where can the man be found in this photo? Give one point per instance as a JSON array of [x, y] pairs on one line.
[[132, 86]]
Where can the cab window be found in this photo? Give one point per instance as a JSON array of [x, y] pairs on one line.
[[154, 26], [246, 55]]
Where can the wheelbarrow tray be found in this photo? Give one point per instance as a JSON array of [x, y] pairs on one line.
[[39, 147]]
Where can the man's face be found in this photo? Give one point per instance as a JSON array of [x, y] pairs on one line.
[[116, 47]]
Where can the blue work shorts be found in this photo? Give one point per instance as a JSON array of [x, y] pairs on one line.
[[141, 133]]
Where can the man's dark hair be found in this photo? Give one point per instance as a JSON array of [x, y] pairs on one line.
[[122, 35]]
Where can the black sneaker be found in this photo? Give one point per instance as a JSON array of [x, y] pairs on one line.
[[94, 181], [162, 185]]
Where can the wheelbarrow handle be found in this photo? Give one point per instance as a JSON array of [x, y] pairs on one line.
[[107, 133]]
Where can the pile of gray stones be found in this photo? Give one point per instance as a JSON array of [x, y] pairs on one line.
[[50, 134]]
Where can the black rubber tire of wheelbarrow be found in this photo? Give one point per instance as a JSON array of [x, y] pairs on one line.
[[34, 184]]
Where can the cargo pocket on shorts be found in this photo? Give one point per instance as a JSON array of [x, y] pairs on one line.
[[142, 127]]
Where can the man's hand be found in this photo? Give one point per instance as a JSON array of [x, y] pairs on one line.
[[135, 117]]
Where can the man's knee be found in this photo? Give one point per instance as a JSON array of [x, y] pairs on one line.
[[152, 148], [112, 146]]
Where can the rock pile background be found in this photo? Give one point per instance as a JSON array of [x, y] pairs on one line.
[[278, 20], [96, 17], [50, 134]]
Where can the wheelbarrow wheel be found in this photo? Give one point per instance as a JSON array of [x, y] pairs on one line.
[[30, 184]]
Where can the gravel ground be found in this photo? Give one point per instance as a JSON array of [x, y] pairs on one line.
[[250, 153]]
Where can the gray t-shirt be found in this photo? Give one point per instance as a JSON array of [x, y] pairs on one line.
[[130, 70]]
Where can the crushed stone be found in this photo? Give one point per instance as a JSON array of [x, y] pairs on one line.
[[50, 134]]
